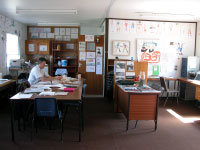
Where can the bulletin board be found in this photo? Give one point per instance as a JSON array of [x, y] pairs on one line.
[[161, 44]]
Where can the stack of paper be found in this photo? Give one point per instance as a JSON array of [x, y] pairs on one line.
[[33, 90], [47, 93], [61, 93], [21, 95]]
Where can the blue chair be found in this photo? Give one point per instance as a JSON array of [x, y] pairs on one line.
[[48, 108]]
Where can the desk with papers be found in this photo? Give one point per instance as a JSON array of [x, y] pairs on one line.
[[48, 91], [138, 103]]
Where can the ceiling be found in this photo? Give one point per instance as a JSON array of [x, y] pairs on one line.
[[93, 12]]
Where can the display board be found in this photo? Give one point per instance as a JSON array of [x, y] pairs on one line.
[[162, 44]]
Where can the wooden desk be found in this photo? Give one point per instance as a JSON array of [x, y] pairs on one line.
[[195, 83], [138, 105], [72, 97]]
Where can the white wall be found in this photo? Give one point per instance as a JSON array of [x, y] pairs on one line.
[[8, 25], [86, 30]]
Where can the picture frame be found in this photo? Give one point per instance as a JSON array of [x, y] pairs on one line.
[[90, 46], [121, 48]]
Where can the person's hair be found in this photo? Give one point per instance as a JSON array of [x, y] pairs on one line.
[[41, 59]]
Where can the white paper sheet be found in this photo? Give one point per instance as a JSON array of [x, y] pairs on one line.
[[61, 93], [81, 46], [82, 56], [21, 95], [50, 35], [89, 38], [62, 31], [47, 93], [31, 47], [56, 31], [90, 54], [67, 31], [43, 35], [99, 65]]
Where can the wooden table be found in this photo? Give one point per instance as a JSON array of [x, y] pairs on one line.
[[72, 97], [6, 84], [137, 105], [195, 83]]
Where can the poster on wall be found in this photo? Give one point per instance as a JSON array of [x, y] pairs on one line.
[[99, 51], [99, 65], [81, 46], [121, 48], [82, 56], [148, 50]]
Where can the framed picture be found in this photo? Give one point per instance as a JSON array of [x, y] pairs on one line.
[[90, 46], [121, 48]]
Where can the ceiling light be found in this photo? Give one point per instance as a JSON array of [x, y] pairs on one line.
[[47, 11], [57, 24]]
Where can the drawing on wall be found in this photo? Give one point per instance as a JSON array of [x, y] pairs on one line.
[[121, 48], [147, 50]]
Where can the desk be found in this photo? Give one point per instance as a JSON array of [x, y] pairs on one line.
[[194, 83], [137, 105], [72, 97]]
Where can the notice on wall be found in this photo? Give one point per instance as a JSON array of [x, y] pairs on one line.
[[67, 31], [99, 51], [82, 56], [74, 36], [56, 31], [90, 68], [90, 54], [66, 38], [89, 38], [99, 65], [34, 35], [81, 46], [31, 47], [43, 35], [90, 62], [43, 48], [62, 31], [50, 35]]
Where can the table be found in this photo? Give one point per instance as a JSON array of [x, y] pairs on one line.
[[72, 97], [195, 83], [6, 84], [138, 105]]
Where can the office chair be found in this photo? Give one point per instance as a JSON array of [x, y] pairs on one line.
[[166, 89], [79, 106], [48, 108]]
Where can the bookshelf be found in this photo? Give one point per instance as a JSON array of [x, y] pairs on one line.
[[65, 51]]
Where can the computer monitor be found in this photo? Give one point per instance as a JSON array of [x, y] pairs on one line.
[[197, 77]]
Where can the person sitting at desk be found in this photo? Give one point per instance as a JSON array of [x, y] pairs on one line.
[[38, 73]]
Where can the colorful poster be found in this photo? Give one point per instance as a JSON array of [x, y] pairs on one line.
[[90, 62], [90, 54], [148, 50], [90, 68]]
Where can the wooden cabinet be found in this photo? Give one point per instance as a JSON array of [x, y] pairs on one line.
[[40, 47], [197, 93], [67, 52]]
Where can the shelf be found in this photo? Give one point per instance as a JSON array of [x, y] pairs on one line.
[[64, 58], [63, 50], [110, 65]]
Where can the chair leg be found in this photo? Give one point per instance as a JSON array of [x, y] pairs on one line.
[[61, 130], [177, 98], [32, 124], [166, 99], [136, 123], [80, 122], [82, 117]]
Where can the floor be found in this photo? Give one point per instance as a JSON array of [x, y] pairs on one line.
[[105, 130]]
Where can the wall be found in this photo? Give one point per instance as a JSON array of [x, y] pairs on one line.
[[8, 25], [198, 40], [86, 30], [168, 35]]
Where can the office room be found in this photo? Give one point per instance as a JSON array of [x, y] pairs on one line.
[[100, 74]]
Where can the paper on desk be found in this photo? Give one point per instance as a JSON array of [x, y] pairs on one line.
[[47, 93], [21, 95], [61, 93], [33, 90]]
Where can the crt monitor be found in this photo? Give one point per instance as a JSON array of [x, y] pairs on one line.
[[197, 76]]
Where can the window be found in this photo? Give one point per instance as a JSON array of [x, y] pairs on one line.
[[12, 47]]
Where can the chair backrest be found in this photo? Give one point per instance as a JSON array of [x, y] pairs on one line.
[[83, 90], [45, 107], [163, 83], [22, 86]]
